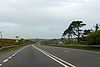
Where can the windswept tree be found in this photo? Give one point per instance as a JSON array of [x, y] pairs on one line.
[[74, 28], [69, 32]]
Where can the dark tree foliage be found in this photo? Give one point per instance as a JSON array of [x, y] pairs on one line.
[[93, 38], [74, 29], [96, 27], [87, 32]]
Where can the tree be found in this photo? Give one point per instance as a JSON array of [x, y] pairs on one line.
[[86, 32], [93, 38], [96, 27], [74, 28], [69, 32]]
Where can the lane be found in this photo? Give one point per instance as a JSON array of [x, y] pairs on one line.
[[4, 55], [76, 57], [55, 58], [30, 57]]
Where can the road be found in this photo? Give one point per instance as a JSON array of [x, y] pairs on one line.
[[48, 56]]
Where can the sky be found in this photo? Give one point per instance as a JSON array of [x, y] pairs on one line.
[[45, 18]]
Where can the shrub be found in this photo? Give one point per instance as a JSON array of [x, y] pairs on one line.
[[93, 38]]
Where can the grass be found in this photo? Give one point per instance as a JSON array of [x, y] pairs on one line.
[[75, 46], [7, 49], [13, 45]]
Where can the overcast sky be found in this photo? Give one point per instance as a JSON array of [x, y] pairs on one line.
[[45, 18]]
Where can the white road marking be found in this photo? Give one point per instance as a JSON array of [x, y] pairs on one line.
[[0, 64], [13, 55], [10, 57], [5, 60], [60, 61], [56, 60]]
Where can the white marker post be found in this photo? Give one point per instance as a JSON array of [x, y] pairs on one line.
[[17, 39]]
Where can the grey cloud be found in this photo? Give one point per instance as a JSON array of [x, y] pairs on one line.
[[45, 18]]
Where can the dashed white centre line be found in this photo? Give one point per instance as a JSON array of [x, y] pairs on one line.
[[15, 53], [12, 56], [5, 60], [0, 64]]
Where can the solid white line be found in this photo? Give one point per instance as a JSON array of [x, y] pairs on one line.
[[5, 60], [50, 57], [0, 64], [55, 58], [61, 60]]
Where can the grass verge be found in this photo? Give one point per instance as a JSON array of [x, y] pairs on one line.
[[74, 46], [13, 48]]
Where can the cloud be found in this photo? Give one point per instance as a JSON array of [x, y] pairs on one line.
[[6, 24], [46, 18]]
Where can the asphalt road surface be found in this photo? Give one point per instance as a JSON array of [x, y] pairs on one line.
[[47, 56]]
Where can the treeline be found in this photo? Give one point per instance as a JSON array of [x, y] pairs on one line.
[[75, 34]]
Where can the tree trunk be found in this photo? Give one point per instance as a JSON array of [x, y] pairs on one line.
[[78, 35], [69, 38]]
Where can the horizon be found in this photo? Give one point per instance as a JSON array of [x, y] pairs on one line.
[[45, 19]]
